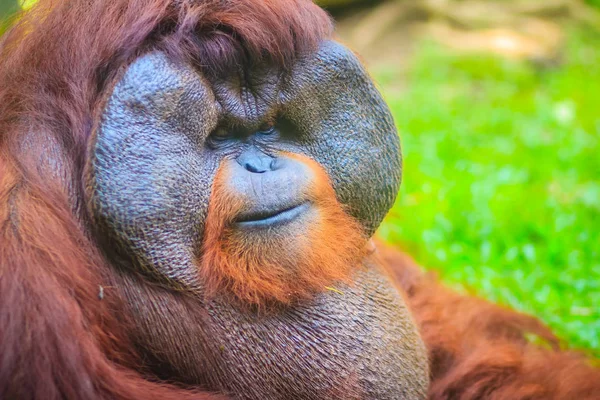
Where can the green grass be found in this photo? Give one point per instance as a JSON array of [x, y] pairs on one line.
[[501, 190]]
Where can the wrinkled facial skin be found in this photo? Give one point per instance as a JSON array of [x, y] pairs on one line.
[[157, 147], [154, 158]]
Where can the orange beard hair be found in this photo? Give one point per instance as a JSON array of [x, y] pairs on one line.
[[282, 266]]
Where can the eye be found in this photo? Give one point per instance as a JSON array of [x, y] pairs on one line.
[[220, 134], [267, 128]]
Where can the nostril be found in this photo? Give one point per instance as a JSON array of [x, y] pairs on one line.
[[253, 160], [254, 168], [275, 164]]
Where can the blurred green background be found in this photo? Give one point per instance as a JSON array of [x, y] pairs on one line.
[[498, 108]]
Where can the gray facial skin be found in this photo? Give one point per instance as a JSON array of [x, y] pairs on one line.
[[152, 162]]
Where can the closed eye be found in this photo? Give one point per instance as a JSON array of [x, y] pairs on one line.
[[267, 128], [267, 131], [221, 134]]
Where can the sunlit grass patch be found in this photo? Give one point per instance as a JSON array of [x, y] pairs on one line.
[[501, 188]]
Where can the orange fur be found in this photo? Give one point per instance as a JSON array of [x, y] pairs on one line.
[[283, 267]]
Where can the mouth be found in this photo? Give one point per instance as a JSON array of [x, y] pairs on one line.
[[270, 218]]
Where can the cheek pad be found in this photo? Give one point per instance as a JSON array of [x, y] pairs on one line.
[[348, 129], [150, 177]]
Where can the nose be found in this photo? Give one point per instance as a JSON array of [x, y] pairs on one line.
[[254, 160]]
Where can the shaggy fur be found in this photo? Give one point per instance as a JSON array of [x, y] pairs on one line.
[[479, 350], [59, 337], [287, 267]]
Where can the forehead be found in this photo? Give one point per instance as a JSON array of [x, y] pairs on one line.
[[155, 86]]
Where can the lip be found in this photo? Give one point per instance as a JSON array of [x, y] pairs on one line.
[[266, 219]]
